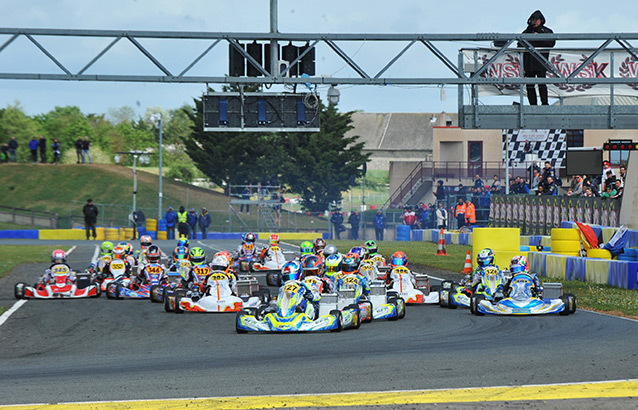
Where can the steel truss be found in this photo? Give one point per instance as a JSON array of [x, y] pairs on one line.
[[271, 75]]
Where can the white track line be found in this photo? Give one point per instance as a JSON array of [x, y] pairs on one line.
[[21, 302]]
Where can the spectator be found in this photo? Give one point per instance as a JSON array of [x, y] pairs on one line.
[[245, 195], [605, 174], [496, 186], [548, 171], [461, 191], [90, 212], [86, 146], [441, 217], [192, 223], [550, 187], [478, 182], [527, 149], [140, 220], [610, 180], [588, 192], [78, 149], [204, 222], [419, 215], [55, 149], [33, 147], [470, 214], [459, 212], [170, 217], [13, 149], [484, 204], [570, 192], [540, 190], [379, 225], [623, 170], [423, 219], [409, 217], [618, 189], [4, 153], [182, 222], [43, 149], [609, 192], [535, 180], [354, 220], [532, 66], [337, 223], [576, 185], [440, 191]]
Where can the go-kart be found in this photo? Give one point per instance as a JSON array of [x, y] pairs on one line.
[[155, 275], [413, 288], [113, 270], [214, 295], [292, 313], [523, 299], [378, 304], [60, 286], [453, 295]]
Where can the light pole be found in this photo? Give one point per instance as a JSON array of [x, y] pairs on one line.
[[157, 119], [144, 159]]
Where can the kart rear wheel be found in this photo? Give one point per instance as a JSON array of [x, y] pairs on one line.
[[118, 288], [450, 298], [168, 302], [18, 290], [356, 316], [153, 294], [237, 318], [337, 315], [366, 319], [178, 307], [244, 266], [572, 303], [443, 298], [98, 291], [402, 308], [108, 294], [566, 300], [394, 301], [264, 295], [273, 279]]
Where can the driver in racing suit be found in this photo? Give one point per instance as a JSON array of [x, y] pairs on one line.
[[266, 254], [349, 269], [195, 278], [519, 264], [222, 262], [141, 277], [58, 257]]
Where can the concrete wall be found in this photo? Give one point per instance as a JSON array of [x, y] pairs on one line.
[[450, 143]]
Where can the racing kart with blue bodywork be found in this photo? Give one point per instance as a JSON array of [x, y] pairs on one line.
[[60, 286], [453, 295], [155, 275], [293, 312], [522, 298]]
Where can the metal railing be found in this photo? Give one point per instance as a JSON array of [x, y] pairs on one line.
[[29, 217]]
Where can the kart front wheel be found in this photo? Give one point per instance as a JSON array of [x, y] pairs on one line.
[[368, 317], [240, 314], [450, 298], [178, 307], [356, 316], [567, 310], [337, 315], [153, 294], [475, 300], [572, 302], [18, 290]]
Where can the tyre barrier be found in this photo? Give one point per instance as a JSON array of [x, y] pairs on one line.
[[403, 233], [565, 246], [598, 253], [112, 234], [151, 224], [162, 235], [505, 242], [565, 234]]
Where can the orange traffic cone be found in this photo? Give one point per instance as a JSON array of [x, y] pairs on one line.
[[467, 268], [440, 250]]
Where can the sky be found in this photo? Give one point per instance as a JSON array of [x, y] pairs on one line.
[[295, 16]]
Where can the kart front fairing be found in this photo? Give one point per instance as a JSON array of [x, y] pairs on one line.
[[297, 322], [404, 286], [521, 300], [218, 298]]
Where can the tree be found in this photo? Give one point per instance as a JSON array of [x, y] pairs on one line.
[[14, 122], [320, 166]]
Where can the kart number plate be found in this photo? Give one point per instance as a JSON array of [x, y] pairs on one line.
[[275, 248], [201, 271], [117, 265], [291, 287], [351, 279], [60, 270], [154, 269], [217, 276]]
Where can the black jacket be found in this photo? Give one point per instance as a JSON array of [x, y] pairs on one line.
[[90, 213], [530, 62]]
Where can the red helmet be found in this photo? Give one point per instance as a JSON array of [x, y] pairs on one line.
[[398, 259], [146, 241], [58, 256], [318, 244], [153, 254], [274, 239], [119, 252]]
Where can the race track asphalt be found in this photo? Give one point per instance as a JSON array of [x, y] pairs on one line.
[[100, 349]]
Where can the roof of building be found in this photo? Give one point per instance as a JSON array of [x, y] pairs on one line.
[[397, 131]]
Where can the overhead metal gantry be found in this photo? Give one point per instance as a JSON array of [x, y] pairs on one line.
[[468, 71]]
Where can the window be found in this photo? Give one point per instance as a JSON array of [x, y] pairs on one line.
[[575, 138]]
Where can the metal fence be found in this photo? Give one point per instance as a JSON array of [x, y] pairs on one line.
[[28, 217], [537, 215]]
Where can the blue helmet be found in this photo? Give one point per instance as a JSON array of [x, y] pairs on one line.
[[485, 257], [291, 271]]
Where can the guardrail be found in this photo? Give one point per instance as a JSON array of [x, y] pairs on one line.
[[29, 217]]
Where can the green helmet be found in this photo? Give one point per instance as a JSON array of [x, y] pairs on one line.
[[106, 248], [197, 256], [305, 248], [372, 247]]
